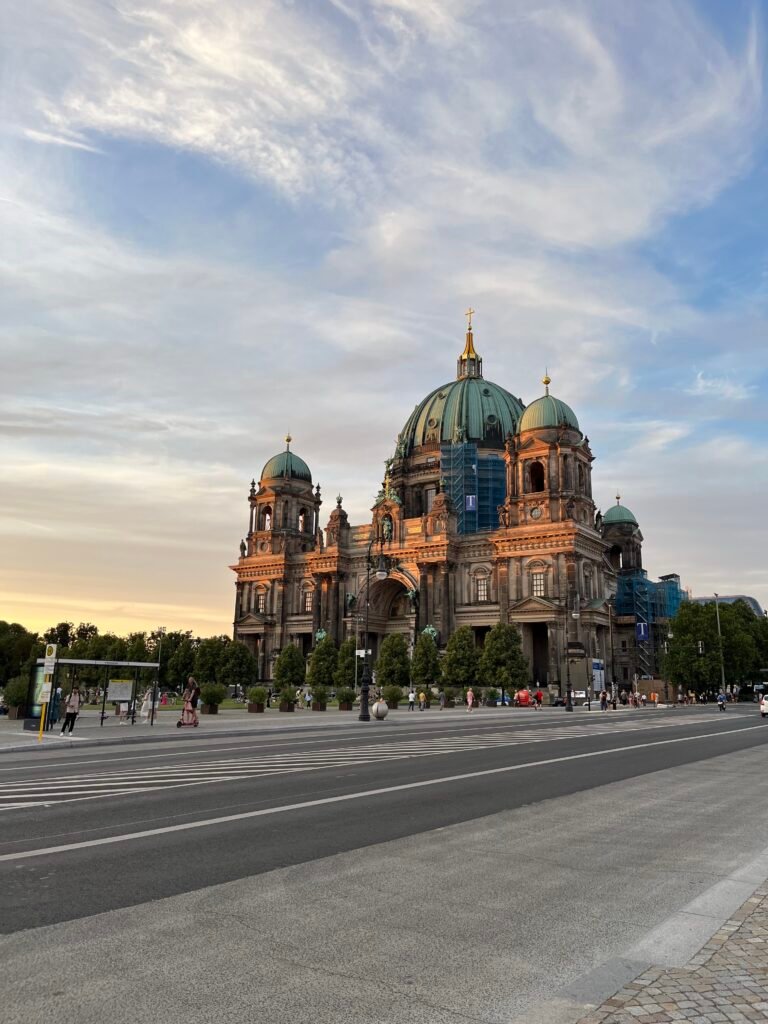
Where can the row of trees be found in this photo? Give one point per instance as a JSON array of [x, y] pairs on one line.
[[500, 664], [215, 659], [692, 659]]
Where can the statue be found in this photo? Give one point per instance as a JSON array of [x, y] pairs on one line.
[[386, 527], [413, 600], [570, 508], [320, 635], [351, 601], [243, 549], [503, 515], [599, 520], [430, 631]]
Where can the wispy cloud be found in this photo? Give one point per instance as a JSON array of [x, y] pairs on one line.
[[720, 388]]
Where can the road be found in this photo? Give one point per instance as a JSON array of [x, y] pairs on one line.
[[421, 869]]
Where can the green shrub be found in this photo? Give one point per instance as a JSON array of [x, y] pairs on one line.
[[450, 693], [257, 695], [491, 696], [392, 695], [287, 695], [320, 694], [213, 693], [16, 693], [346, 695]]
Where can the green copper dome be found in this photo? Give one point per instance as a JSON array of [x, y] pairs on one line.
[[286, 464], [548, 411], [619, 514], [469, 409]]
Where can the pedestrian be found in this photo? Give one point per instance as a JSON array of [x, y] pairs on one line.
[[411, 700], [603, 700], [422, 701], [721, 700], [308, 699], [539, 698], [55, 706], [146, 704], [72, 709], [470, 699], [441, 698]]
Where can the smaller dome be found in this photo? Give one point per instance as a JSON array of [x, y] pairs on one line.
[[619, 514], [548, 411], [286, 464]]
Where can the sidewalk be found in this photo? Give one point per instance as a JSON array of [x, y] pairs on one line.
[[228, 723], [727, 980]]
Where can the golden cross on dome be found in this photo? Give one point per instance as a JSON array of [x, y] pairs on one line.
[[468, 315]]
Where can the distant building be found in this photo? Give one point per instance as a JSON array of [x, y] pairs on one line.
[[485, 514], [752, 602]]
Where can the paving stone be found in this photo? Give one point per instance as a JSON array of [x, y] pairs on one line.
[[726, 982]]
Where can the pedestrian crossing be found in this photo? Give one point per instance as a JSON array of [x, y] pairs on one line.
[[36, 792]]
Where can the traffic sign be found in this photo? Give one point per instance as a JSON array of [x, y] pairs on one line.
[[641, 632]]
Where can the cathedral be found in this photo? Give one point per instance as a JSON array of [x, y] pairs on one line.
[[485, 514]]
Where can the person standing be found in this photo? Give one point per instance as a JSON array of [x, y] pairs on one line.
[[441, 698], [146, 704], [603, 700], [195, 700], [411, 700], [422, 701], [72, 708], [55, 714], [721, 700], [470, 699], [539, 698]]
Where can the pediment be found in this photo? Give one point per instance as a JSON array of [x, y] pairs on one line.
[[252, 619], [534, 604]]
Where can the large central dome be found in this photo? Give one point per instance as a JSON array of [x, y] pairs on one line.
[[467, 409]]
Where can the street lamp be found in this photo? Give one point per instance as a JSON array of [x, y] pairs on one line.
[[160, 634], [720, 643], [381, 574]]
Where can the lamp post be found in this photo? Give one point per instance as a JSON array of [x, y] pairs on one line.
[[670, 636], [381, 574], [720, 643], [160, 634]]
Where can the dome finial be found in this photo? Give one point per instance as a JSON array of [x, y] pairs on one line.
[[618, 497], [546, 380], [288, 440], [469, 363]]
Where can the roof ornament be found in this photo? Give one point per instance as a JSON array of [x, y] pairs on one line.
[[339, 500], [546, 380], [469, 363], [288, 440], [618, 497]]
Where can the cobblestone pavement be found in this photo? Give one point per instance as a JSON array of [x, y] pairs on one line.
[[727, 980]]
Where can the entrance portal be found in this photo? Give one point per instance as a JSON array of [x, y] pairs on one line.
[[540, 651]]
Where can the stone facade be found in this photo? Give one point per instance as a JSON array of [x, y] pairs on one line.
[[545, 567]]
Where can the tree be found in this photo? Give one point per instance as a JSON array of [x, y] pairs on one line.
[[61, 634], [425, 667], [323, 663], [86, 631], [460, 664], [17, 646], [181, 664], [502, 663], [393, 667], [208, 659], [290, 668], [344, 676], [237, 666]]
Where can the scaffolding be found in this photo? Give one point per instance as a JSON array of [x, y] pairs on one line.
[[650, 603], [476, 485]]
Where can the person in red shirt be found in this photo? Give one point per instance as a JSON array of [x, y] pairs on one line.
[[539, 698]]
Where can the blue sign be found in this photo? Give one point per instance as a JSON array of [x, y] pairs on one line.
[[471, 505], [641, 632]]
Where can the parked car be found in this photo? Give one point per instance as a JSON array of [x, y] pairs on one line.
[[764, 705]]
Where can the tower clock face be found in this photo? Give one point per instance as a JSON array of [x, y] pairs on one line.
[[536, 513]]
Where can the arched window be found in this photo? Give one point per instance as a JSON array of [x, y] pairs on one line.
[[615, 556], [566, 473], [429, 497], [266, 518], [537, 476], [581, 479], [302, 520]]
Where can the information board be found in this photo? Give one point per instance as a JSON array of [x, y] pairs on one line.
[[120, 689]]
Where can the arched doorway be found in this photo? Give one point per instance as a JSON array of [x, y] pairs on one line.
[[391, 610]]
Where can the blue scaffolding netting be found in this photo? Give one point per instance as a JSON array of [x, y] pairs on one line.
[[476, 485]]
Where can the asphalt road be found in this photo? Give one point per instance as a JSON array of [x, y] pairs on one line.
[[505, 812]]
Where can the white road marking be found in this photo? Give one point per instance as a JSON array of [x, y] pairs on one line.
[[343, 798]]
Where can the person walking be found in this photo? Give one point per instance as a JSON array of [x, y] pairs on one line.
[[422, 701], [603, 700], [72, 708], [411, 700], [470, 699], [539, 698], [721, 700], [146, 704], [441, 698]]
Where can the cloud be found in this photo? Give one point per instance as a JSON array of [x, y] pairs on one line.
[[720, 388]]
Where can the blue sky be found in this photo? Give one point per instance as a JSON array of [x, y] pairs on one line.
[[222, 221]]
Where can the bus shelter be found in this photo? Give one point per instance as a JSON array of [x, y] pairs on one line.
[[118, 681]]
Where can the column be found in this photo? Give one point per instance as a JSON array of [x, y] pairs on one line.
[[333, 618], [502, 582], [425, 606], [552, 645], [316, 605], [445, 603]]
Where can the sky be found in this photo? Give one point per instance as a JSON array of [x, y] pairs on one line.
[[222, 220]]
